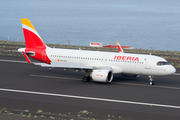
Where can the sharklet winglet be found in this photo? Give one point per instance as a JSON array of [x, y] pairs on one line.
[[119, 47]]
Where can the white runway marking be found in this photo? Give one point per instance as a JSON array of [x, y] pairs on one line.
[[53, 77], [176, 73], [13, 61], [155, 86], [89, 98]]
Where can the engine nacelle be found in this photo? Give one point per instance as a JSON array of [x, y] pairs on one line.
[[102, 75], [130, 75]]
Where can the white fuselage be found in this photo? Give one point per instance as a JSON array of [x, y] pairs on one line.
[[138, 64]]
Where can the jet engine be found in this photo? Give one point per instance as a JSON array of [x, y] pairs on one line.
[[102, 75], [130, 75]]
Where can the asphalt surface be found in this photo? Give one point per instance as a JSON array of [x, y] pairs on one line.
[[57, 90]]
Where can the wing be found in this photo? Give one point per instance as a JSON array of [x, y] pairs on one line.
[[65, 65], [115, 69]]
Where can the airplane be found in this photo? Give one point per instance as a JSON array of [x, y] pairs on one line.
[[98, 66]]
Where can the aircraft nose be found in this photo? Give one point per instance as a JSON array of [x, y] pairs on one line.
[[172, 70], [169, 70]]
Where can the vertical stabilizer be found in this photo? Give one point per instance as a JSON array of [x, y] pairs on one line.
[[32, 38]]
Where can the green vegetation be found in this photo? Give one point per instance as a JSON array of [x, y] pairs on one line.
[[11, 113], [42, 116], [9, 48], [82, 115], [39, 111], [29, 116], [26, 111], [23, 115]]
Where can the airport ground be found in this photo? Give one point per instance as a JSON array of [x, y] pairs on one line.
[[61, 95]]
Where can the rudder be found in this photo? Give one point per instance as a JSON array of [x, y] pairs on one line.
[[32, 38]]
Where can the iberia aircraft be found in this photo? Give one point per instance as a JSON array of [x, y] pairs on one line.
[[98, 66]]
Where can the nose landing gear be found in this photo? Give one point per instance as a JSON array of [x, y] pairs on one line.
[[151, 80]]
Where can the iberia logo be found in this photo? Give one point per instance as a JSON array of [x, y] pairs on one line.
[[99, 75], [126, 58]]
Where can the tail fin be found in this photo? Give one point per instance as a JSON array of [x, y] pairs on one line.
[[119, 47], [32, 38]]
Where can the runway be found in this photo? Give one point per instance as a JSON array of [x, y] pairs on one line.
[[25, 86]]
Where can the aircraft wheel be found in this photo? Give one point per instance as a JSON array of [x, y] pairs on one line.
[[151, 83], [86, 79]]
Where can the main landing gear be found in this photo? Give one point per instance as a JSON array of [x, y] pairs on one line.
[[86, 79], [151, 80]]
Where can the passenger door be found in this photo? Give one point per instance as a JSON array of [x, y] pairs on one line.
[[148, 63]]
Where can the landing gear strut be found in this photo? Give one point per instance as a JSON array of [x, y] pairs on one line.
[[151, 80]]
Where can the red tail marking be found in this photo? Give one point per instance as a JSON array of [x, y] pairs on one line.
[[32, 40]]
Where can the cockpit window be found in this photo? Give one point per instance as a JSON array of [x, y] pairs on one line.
[[162, 63]]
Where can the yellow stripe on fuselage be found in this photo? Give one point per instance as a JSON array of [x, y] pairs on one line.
[[26, 21]]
